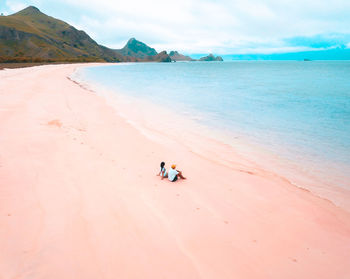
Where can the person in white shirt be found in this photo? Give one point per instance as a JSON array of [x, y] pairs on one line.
[[174, 174]]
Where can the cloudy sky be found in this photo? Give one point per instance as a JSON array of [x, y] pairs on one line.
[[203, 26]]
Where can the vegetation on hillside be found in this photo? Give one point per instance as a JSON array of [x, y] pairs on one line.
[[30, 35]]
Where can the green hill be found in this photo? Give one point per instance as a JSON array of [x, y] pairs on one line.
[[136, 51], [135, 48], [32, 36]]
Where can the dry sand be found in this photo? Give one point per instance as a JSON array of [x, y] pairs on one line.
[[79, 198]]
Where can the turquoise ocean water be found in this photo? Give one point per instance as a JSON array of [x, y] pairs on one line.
[[299, 110]]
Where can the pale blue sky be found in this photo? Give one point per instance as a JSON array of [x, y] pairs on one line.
[[197, 26]]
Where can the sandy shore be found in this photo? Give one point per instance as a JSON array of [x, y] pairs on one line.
[[28, 64], [79, 198]]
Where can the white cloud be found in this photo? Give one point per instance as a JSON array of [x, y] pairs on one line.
[[15, 6]]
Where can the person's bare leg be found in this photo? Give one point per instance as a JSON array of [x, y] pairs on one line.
[[180, 175], [164, 176]]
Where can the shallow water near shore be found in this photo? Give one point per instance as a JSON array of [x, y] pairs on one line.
[[298, 112]]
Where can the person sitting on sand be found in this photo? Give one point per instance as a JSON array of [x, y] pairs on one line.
[[162, 173], [174, 174]]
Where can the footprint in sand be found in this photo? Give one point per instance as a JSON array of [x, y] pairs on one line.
[[55, 122]]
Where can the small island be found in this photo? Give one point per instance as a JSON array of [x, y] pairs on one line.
[[176, 56], [211, 57]]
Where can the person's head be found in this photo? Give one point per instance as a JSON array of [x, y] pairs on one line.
[[173, 166], [162, 164]]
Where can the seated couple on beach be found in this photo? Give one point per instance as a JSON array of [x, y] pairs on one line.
[[172, 174]]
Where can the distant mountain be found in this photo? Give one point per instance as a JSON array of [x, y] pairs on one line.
[[175, 56], [135, 48], [30, 35], [211, 57], [136, 51]]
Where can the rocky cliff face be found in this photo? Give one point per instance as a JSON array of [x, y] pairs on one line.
[[211, 57]]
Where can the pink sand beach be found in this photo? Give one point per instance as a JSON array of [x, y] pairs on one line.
[[79, 198]]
